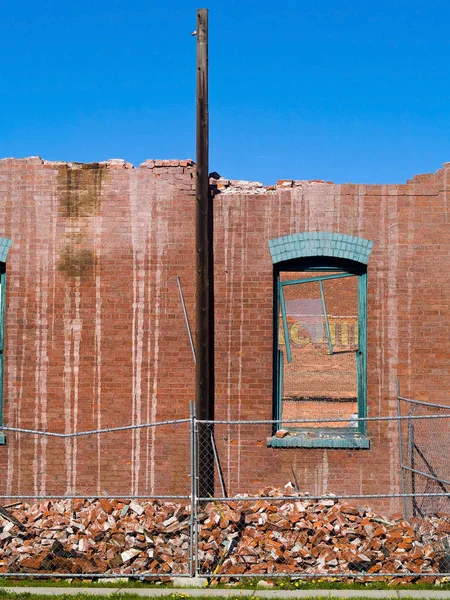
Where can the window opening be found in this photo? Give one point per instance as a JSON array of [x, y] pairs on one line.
[[321, 330]]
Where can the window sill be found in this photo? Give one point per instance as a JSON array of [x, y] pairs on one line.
[[344, 438], [2, 439]]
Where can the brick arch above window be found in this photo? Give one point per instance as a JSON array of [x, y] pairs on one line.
[[5, 245], [320, 243]]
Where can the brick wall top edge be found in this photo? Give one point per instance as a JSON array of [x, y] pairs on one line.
[[231, 186], [418, 185], [111, 163]]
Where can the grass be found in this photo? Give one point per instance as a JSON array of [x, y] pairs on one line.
[[250, 584], [74, 583], [27, 596]]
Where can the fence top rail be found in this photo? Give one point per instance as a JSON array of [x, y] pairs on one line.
[[297, 575], [230, 422], [92, 497], [422, 403], [92, 431], [339, 575], [302, 496], [330, 420], [238, 497], [97, 575]]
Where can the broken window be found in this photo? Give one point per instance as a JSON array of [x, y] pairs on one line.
[[321, 350]]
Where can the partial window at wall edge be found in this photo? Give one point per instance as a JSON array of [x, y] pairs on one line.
[[5, 245], [2, 341]]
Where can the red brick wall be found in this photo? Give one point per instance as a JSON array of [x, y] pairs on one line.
[[95, 335]]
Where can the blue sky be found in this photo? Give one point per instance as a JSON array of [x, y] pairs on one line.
[[337, 90]]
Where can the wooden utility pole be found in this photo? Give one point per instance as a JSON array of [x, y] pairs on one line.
[[204, 388]]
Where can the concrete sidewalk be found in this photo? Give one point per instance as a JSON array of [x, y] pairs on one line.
[[241, 593]]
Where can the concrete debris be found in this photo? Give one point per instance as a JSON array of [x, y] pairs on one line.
[[189, 582], [238, 186], [259, 537], [264, 584], [137, 508]]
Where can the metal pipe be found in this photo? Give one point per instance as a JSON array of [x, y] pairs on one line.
[[219, 468], [325, 315], [320, 278], [421, 402], [186, 319], [433, 477]]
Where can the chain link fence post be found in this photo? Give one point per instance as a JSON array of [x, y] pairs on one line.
[[400, 451], [194, 482], [193, 542], [412, 458]]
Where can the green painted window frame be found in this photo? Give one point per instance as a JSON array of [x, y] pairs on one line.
[[2, 341], [5, 245], [322, 251], [327, 437]]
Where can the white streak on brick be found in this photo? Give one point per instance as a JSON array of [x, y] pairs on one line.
[[360, 201], [389, 206], [229, 280], [150, 289], [54, 219], [243, 218], [298, 218], [40, 345], [13, 406], [68, 384], [161, 243], [97, 384], [138, 238], [325, 472], [77, 326], [72, 340]]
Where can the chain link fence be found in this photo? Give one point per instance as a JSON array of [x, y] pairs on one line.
[[214, 499], [277, 528], [425, 453], [98, 503]]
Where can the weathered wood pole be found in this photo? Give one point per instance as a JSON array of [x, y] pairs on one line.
[[204, 388]]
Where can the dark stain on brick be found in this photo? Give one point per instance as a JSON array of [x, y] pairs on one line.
[[79, 189], [76, 262]]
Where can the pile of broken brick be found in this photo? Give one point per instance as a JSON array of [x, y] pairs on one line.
[[261, 537]]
